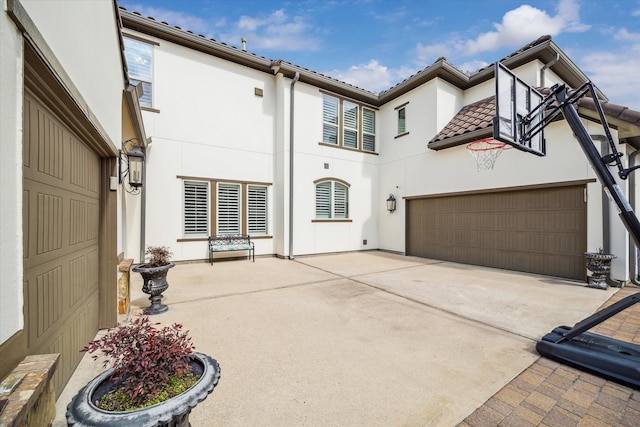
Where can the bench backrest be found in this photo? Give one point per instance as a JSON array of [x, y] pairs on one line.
[[229, 239]]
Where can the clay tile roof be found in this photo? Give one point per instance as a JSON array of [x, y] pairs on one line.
[[472, 117]]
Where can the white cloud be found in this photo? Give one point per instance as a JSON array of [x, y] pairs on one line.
[[276, 31], [372, 76], [615, 73], [526, 23], [517, 27], [178, 19]]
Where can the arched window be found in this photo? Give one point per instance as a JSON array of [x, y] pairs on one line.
[[332, 199]]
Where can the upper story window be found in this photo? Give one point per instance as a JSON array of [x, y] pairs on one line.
[[401, 112], [402, 120], [347, 124], [139, 57], [332, 200]]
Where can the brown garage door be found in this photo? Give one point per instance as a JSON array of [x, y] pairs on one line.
[[538, 230], [61, 214]]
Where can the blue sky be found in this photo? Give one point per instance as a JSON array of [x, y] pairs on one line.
[[374, 44]]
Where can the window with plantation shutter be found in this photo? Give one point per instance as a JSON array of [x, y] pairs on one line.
[[323, 200], [196, 213], [229, 209], [350, 124], [257, 209], [330, 120], [368, 130], [332, 200], [139, 57], [340, 200]]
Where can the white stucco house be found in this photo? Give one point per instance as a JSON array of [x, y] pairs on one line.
[[304, 163], [238, 143]]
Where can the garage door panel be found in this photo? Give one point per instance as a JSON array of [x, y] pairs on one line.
[[61, 209], [539, 231]]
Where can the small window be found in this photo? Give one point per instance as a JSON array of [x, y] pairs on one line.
[[330, 120], [229, 209], [196, 208], [332, 200], [402, 120], [257, 209], [139, 56]]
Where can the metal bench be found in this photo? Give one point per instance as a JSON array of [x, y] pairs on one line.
[[231, 242]]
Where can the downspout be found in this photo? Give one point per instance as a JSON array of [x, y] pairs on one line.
[[633, 252], [606, 218], [547, 65], [291, 129], [143, 216]]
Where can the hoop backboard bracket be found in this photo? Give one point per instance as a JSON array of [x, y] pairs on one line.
[[519, 113]]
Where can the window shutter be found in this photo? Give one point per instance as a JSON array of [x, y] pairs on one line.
[[323, 200], [350, 123], [341, 199], [257, 209], [330, 120], [228, 209], [369, 130], [196, 202]]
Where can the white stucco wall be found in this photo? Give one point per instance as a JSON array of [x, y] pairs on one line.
[[209, 125], [11, 54], [83, 36]]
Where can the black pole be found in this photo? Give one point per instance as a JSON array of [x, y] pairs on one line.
[[625, 210]]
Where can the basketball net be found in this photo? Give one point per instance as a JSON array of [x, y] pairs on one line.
[[486, 151]]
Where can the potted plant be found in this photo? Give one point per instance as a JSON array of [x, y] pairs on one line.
[[154, 276], [155, 378]]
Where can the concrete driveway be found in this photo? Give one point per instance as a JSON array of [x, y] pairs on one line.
[[358, 339]]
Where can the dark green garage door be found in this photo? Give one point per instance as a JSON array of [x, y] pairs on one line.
[[539, 231]]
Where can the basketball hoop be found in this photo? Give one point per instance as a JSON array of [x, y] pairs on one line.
[[486, 151]]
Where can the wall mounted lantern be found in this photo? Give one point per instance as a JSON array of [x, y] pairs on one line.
[[391, 203], [131, 163]]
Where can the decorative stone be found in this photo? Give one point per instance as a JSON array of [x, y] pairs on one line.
[[33, 401]]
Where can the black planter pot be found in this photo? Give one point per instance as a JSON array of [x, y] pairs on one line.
[[155, 283], [599, 264], [171, 413]]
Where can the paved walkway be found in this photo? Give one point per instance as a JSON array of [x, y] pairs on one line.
[[378, 339], [551, 394]]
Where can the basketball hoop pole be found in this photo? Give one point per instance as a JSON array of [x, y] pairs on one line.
[[575, 346], [626, 214]]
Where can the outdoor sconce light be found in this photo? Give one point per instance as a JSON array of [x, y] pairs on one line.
[[134, 160], [391, 203]]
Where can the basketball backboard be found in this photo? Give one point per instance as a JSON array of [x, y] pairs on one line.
[[518, 114]]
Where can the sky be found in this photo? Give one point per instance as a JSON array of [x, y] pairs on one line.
[[375, 44]]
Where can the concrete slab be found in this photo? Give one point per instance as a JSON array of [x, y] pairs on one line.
[[354, 339]]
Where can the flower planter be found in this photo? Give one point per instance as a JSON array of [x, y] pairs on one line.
[[155, 283], [171, 413], [600, 265]]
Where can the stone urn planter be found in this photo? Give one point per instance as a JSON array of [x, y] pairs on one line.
[[171, 413], [154, 276], [599, 264], [154, 284]]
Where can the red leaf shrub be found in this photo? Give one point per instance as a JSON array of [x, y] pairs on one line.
[[144, 357]]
